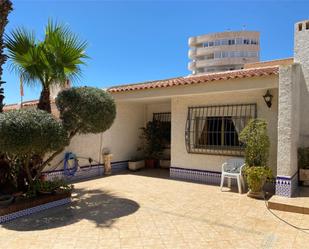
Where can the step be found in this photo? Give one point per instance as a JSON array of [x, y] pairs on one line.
[[298, 204]]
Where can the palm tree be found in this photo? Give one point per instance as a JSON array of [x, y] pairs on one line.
[[5, 9], [53, 61]]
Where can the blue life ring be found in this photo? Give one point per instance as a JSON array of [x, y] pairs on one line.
[[67, 170]]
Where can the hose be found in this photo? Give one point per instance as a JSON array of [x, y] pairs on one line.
[[66, 170], [284, 221]]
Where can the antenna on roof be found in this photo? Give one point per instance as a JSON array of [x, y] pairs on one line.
[[244, 27]]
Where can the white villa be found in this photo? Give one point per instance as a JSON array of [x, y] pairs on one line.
[[220, 103]]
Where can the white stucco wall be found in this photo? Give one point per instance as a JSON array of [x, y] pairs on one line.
[[293, 120], [84, 146], [288, 120], [301, 55], [157, 107], [136, 108], [179, 155], [122, 139]]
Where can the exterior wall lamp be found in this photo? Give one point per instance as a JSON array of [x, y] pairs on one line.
[[268, 98]]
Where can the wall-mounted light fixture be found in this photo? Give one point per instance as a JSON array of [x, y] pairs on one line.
[[268, 98]]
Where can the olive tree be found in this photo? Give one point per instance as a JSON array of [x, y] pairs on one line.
[[29, 133], [83, 110]]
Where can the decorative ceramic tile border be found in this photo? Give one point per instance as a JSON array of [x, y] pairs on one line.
[[82, 173], [119, 166], [87, 172], [209, 177], [286, 186], [28, 211]]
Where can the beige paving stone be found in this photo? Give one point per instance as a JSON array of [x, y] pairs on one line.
[[147, 210], [159, 246], [131, 242]]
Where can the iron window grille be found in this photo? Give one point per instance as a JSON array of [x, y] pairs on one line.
[[215, 129], [162, 116]]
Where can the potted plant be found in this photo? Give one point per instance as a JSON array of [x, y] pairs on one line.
[[152, 136], [303, 165], [165, 163], [51, 187], [256, 141], [5, 200], [44, 187], [136, 163]]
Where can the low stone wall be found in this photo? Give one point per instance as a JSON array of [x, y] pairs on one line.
[[31, 206]]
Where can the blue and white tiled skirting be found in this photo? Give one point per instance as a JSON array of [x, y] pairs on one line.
[[83, 172], [208, 177], [86, 172], [286, 185], [203, 176], [28, 211], [119, 166]]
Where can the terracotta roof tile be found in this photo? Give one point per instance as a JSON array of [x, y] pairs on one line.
[[17, 106], [29, 103], [281, 62], [197, 79]]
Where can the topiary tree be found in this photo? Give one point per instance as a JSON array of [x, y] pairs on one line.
[[26, 134], [86, 110], [256, 141], [257, 144], [83, 110]]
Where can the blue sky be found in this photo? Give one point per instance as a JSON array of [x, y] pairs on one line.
[[134, 41]]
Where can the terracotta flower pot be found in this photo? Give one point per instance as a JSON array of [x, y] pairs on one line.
[[256, 191], [136, 165], [150, 163]]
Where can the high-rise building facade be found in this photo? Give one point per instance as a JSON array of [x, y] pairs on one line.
[[223, 51]]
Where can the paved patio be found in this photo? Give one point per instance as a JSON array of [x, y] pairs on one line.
[[148, 210]]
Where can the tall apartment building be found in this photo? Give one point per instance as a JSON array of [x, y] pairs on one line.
[[223, 51]]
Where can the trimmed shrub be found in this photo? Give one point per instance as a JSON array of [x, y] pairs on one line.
[[28, 135], [86, 110], [256, 141], [257, 144], [25, 133]]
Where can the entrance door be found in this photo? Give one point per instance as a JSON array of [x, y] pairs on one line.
[[165, 119]]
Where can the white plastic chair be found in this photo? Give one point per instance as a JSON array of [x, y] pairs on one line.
[[232, 168]]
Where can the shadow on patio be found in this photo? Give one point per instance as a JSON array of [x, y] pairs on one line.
[[101, 207]]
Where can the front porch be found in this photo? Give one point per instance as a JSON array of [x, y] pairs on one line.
[[195, 163]]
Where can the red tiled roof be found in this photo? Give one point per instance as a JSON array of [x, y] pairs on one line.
[[197, 79], [17, 106], [29, 103], [281, 62]]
